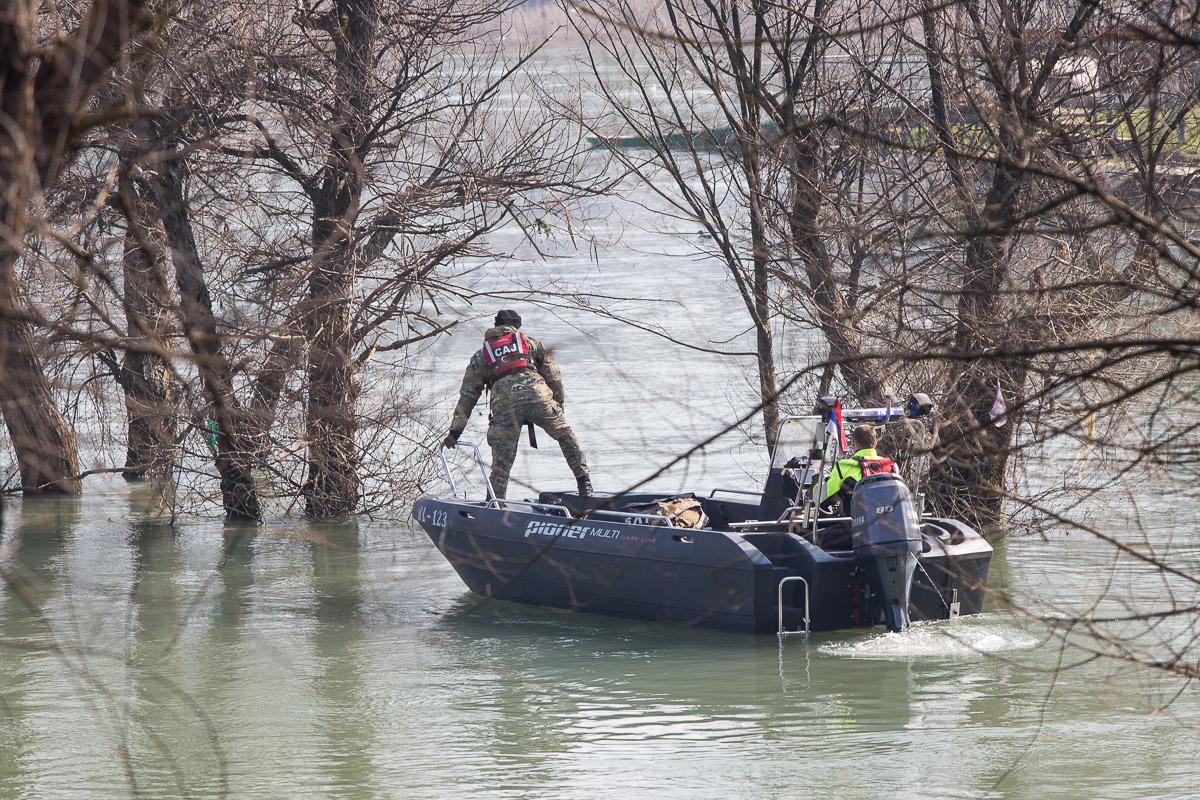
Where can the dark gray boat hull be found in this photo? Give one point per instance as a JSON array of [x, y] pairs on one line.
[[709, 578]]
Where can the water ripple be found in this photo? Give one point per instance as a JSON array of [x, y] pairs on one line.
[[938, 640]]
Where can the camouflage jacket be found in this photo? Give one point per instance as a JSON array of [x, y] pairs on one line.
[[478, 377]]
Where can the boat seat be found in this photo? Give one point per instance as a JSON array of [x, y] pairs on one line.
[[578, 506], [779, 494], [834, 535]]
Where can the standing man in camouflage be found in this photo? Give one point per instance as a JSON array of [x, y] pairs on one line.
[[526, 387]]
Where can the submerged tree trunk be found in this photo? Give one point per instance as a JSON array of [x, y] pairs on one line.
[[234, 456], [151, 393], [44, 91], [331, 489], [332, 486], [41, 436]]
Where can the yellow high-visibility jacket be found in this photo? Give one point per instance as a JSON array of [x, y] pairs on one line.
[[847, 468]]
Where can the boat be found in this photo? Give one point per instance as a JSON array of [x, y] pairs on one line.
[[761, 562]]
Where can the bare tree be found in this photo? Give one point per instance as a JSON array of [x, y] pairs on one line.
[[47, 82], [296, 193], [395, 163], [705, 144], [147, 378]]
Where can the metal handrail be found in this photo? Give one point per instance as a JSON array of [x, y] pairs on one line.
[[779, 603], [668, 520], [753, 523], [487, 481], [498, 503], [446, 472], [713, 493], [786, 516], [783, 519]]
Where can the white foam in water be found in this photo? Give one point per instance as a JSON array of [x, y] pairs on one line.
[[936, 640]]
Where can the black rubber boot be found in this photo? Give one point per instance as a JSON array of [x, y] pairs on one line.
[[584, 482]]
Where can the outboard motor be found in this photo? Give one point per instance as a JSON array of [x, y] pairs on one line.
[[885, 533]]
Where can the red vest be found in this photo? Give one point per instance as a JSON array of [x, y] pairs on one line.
[[506, 354], [876, 466]]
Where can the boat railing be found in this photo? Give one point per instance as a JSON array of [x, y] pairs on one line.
[[487, 482], [713, 493], [753, 523], [501, 504], [787, 516]]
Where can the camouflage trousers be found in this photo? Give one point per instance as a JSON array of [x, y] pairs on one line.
[[514, 403]]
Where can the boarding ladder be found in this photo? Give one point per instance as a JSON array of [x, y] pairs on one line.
[[783, 631]]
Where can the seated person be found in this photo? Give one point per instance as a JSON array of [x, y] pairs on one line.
[[848, 471]]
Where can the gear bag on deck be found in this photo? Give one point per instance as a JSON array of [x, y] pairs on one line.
[[506, 354], [684, 512]]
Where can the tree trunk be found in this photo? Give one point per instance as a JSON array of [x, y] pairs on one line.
[[151, 394], [759, 300], [971, 456], [43, 92], [332, 487], [832, 314], [768, 385], [268, 387], [234, 456], [41, 436]]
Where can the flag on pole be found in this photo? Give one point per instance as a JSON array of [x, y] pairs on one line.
[[835, 427]]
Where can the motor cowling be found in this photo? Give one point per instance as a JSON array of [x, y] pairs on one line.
[[886, 537]]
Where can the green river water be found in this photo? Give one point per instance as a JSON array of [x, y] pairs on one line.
[[348, 661]]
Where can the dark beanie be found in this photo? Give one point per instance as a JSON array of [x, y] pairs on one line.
[[508, 317]]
